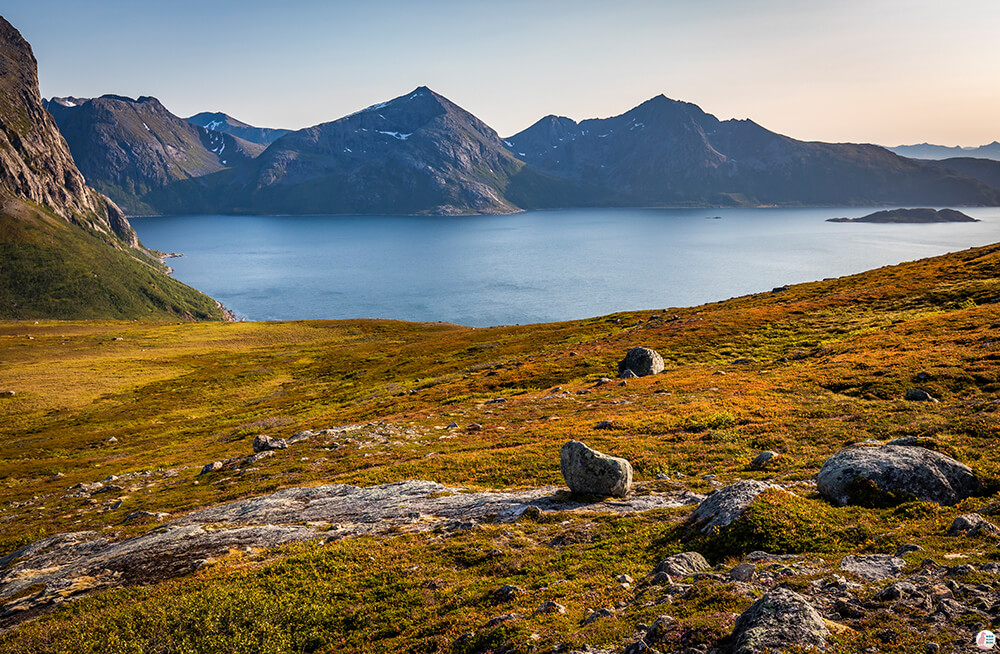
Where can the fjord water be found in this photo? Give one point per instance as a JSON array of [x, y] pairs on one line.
[[537, 266]]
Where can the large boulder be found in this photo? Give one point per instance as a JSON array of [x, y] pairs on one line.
[[779, 620], [683, 564], [264, 443], [588, 472], [724, 506], [894, 469], [874, 567], [642, 361]]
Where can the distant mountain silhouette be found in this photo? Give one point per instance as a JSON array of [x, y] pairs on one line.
[[929, 151], [225, 123]]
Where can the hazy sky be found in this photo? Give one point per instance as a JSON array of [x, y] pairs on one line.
[[880, 71]]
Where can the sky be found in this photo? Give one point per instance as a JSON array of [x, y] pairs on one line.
[[872, 71]]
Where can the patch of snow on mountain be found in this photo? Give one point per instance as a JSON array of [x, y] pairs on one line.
[[146, 126], [397, 135]]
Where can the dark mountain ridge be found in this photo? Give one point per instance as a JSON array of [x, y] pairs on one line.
[[133, 150], [666, 152], [931, 151], [221, 122]]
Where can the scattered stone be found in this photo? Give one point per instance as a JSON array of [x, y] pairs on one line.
[[598, 614], [902, 470], [907, 549], [604, 380], [779, 620], [301, 436], [452, 425], [500, 619], [550, 607], [139, 515], [641, 361], [622, 383], [496, 400], [873, 567], [743, 572], [475, 427], [508, 592], [919, 395], [588, 472], [628, 374], [637, 647], [7, 393], [660, 578], [972, 524], [264, 443], [625, 579], [211, 467], [250, 460], [682, 565], [605, 424], [743, 361], [764, 459], [112, 440], [659, 628], [724, 506]]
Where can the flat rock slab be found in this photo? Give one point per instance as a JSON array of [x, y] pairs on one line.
[[874, 567], [72, 564]]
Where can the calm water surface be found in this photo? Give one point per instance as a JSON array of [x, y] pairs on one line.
[[537, 266]]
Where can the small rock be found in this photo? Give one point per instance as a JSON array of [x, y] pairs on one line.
[[625, 579], [500, 619], [112, 440], [628, 374], [972, 524], [301, 436], [588, 472], [211, 467], [763, 460], [7, 393], [508, 592], [475, 427], [906, 549], [919, 395], [452, 425], [743, 361], [660, 578], [598, 614], [682, 565], [641, 361], [898, 590], [250, 460], [779, 620], [264, 443], [550, 607], [743, 572], [873, 567], [605, 424]]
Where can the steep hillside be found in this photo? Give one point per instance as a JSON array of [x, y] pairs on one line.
[[669, 152], [136, 150], [66, 250], [220, 122], [986, 171], [418, 153]]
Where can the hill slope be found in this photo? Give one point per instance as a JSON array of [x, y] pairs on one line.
[[327, 540], [670, 152], [66, 250], [136, 150]]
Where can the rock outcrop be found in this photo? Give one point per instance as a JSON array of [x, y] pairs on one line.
[[588, 472], [779, 620], [726, 505], [641, 361], [878, 473]]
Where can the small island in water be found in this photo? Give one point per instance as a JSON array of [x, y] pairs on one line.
[[910, 216]]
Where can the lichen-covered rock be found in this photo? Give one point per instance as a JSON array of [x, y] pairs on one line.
[[724, 506], [764, 460], [588, 472], [263, 443], [894, 470], [642, 361], [972, 524], [874, 567], [779, 620], [683, 564]]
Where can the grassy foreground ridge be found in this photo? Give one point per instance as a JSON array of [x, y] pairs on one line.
[[802, 371]]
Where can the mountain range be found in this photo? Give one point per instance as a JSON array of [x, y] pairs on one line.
[[67, 251], [421, 154], [930, 151]]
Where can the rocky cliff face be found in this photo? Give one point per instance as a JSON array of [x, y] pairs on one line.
[[35, 162]]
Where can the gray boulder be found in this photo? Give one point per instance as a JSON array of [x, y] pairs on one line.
[[924, 474], [642, 361], [972, 524], [588, 472], [724, 506], [779, 620], [263, 443], [763, 460], [874, 567], [683, 564]]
